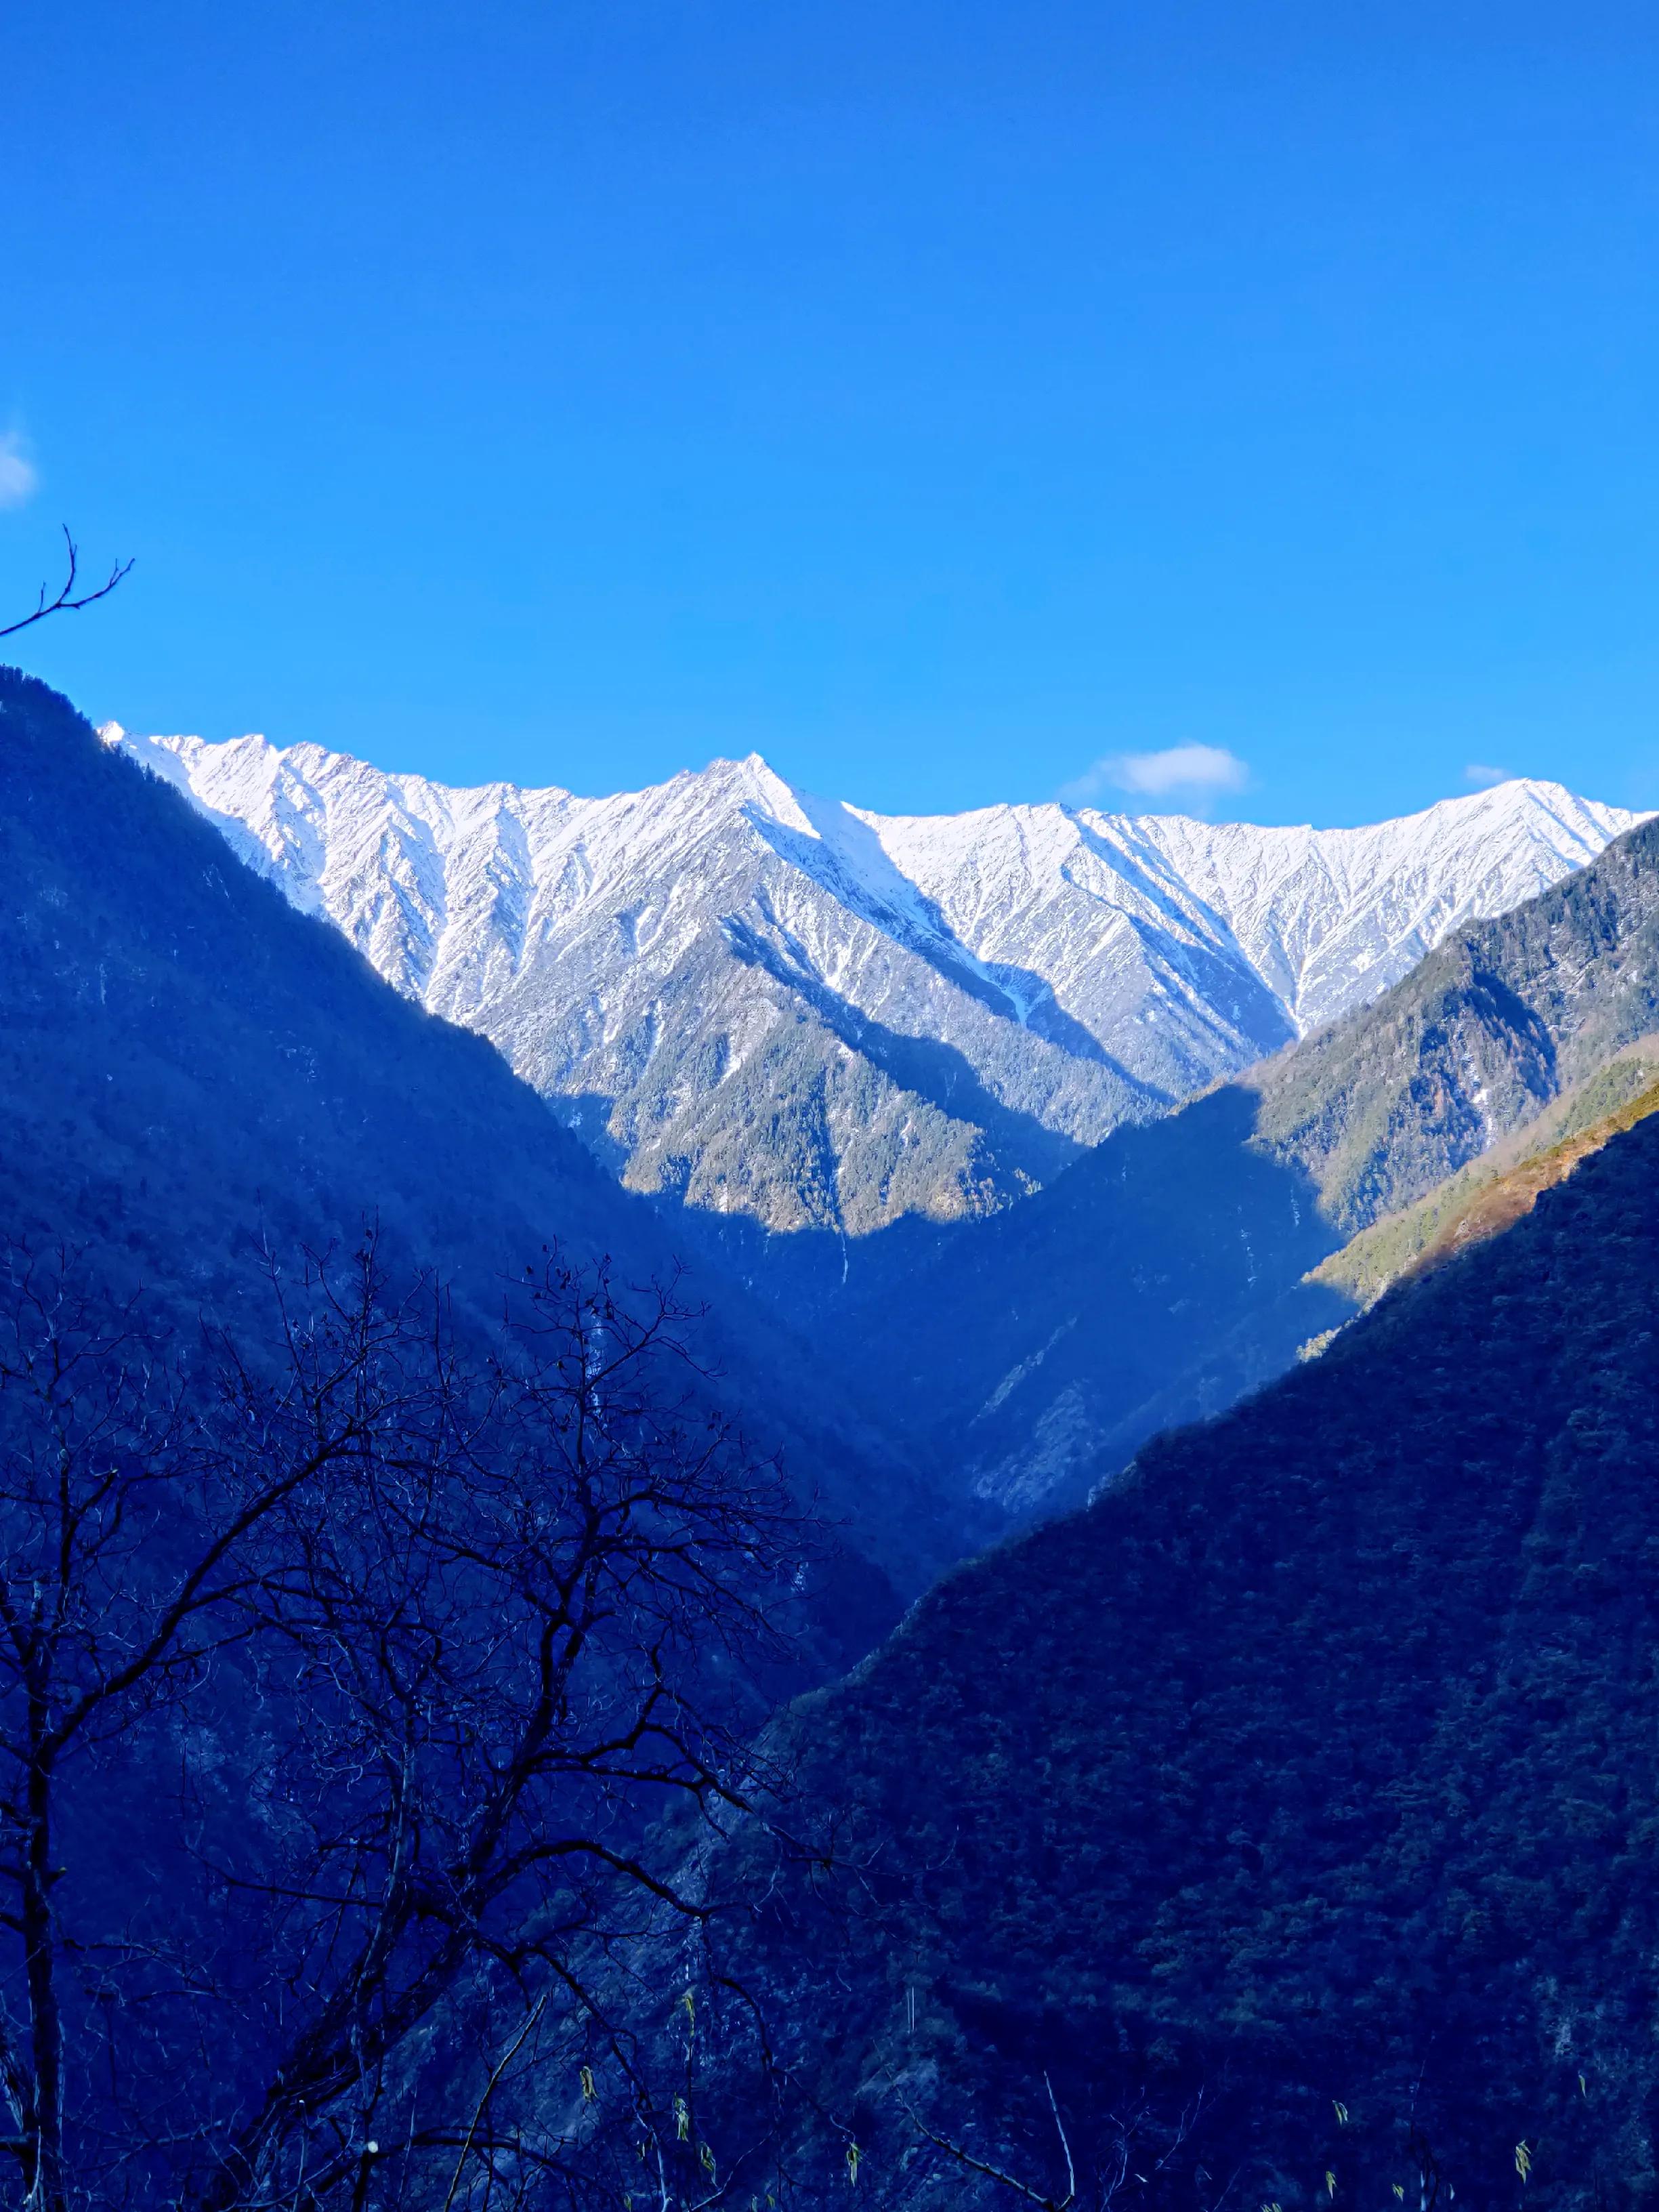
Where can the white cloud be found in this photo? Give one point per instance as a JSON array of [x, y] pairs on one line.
[[1483, 778], [1199, 772], [17, 474]]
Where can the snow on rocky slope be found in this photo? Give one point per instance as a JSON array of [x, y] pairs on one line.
[[792, 1008]]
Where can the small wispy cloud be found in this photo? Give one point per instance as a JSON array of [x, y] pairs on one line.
[[1483, 777], [1196, 773], [18, 477]]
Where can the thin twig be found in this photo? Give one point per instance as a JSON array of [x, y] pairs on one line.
[[65, 602], [995, 2172], [504, 2062]]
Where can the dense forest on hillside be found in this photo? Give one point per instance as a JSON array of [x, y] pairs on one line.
[[387, 1532], [1300, 1798]]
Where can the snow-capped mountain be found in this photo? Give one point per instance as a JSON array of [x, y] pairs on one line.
[[794, 1008]]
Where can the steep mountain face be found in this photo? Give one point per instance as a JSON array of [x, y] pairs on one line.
[[1475, 1043], [189, 1067], [1293, 1809], [795, 1010], [1163, 1275]]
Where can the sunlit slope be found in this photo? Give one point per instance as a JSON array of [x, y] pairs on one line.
[[1475, 1043], [1496, 1189]]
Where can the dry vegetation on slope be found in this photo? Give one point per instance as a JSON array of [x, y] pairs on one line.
[[1495, 1191]]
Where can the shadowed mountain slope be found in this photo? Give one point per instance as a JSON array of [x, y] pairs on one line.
[[188, 1066], [1315, 1769]]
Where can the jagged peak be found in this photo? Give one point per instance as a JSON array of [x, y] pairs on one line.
[[751, 778], [1080, 964]]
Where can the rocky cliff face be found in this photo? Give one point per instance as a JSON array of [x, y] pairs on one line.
[[790, 1008]]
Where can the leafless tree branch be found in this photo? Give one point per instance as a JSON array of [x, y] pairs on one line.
[[966, 2158], [473, 1616], [66, 603]]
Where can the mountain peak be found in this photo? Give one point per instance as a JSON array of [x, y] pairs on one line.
[[808, 1010]]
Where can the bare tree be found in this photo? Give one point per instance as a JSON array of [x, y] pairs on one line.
[[430, 1638], [66, 602], [506, 1640], [125, 1528]]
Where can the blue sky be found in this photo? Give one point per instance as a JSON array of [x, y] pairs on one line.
[[943, 400]]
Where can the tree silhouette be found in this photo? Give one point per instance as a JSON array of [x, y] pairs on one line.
[[427, 1632]]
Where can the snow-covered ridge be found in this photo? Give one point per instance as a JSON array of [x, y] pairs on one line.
[[799, 1008]]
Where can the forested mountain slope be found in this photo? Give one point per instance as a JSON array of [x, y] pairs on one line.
[[188, 1066], [1295, 1807], [1498, 1186], [809, 1015]]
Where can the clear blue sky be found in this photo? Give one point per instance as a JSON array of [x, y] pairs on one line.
[[936, 398]]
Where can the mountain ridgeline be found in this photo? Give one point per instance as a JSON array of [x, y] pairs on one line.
[[1492, 1027], [805, 1022], [803, 1014], [995, 1367]]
